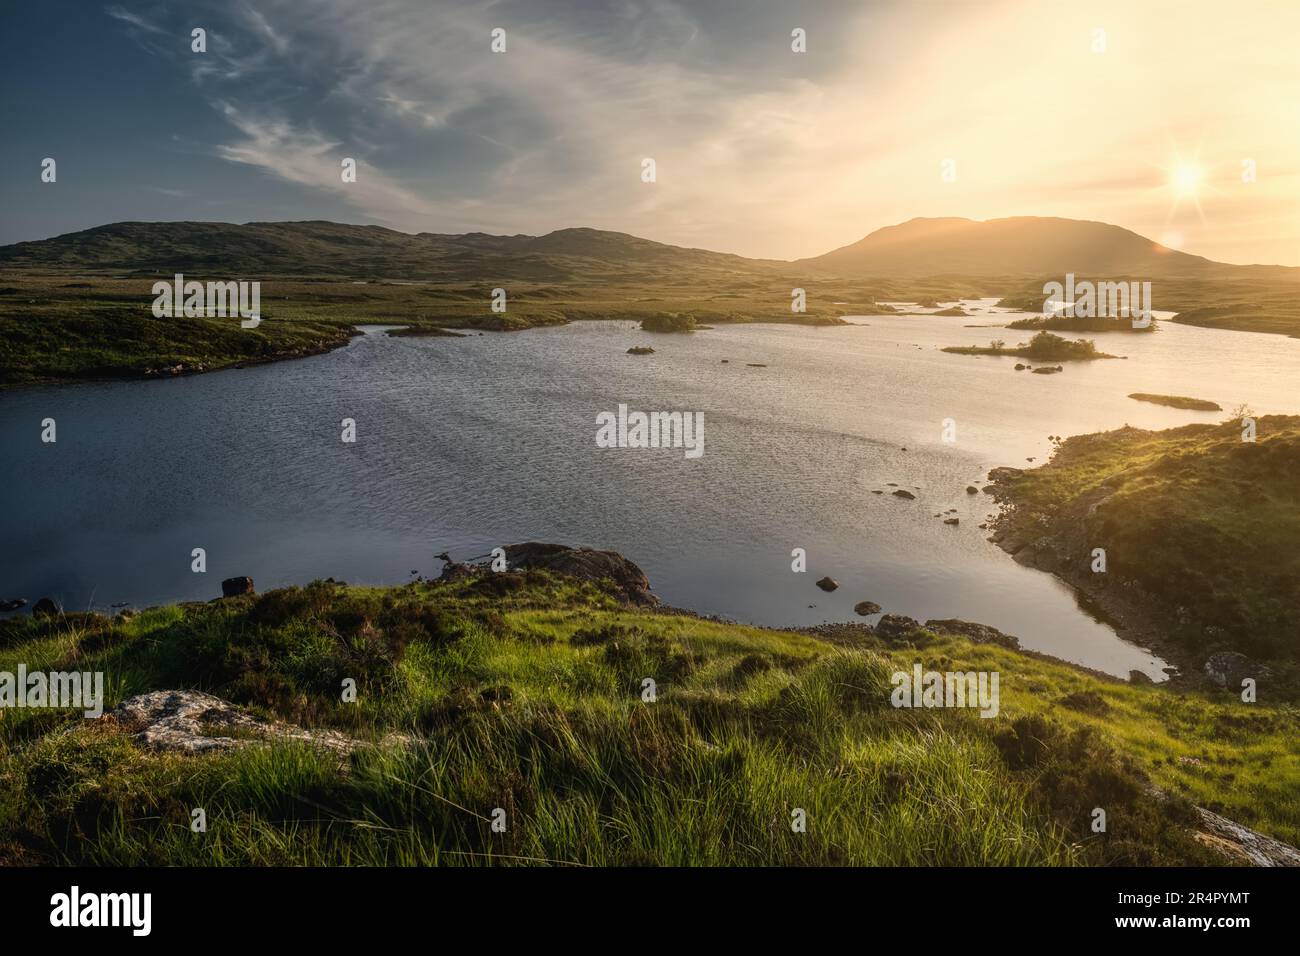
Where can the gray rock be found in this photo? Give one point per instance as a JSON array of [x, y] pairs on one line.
[[1229, 669], [189, 721]]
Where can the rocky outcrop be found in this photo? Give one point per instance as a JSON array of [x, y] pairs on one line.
[[978, 633], [236, 586], [1242, 843], [189, 721], [893, 627], [628, 581]]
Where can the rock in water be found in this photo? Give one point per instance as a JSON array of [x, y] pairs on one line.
[[866, 607], [828, 584], [234, 586], [901, 493]]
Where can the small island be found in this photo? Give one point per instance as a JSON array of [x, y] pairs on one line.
[[1078, 323], [1044, 347], [1178, 401]]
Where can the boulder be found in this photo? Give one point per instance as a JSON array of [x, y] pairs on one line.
[[828, 584], [866, 607], [952, 521], [972, 490], [901, 493], [45, 607], [1138, 677], [231, 587], [1229, 669]]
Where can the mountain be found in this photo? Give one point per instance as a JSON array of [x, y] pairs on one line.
[[1025, 245], [317, 248]]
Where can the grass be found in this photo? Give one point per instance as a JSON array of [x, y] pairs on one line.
[[522, 691], [1178, 401], [1204, 523]]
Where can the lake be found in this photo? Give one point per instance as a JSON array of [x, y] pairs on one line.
[[467, 443]]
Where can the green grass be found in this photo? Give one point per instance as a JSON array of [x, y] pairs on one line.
[[522, 691], [1206, 524]]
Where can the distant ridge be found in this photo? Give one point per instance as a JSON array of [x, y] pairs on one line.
[[1024, 245]]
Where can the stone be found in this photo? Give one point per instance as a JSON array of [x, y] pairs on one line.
[[231, 587]]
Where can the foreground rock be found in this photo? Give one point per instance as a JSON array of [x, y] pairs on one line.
[[189, 721], [629, 582], [1229, 669]]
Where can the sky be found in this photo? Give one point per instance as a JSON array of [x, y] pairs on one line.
[[895, 110]]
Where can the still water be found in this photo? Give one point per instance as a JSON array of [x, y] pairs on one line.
[[467, 443]]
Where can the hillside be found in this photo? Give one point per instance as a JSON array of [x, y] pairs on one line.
[[519, 696], [1020, 245], [1200, 531], [302, 249]]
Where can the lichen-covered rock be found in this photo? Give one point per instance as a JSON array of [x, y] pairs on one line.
[[189, 721]]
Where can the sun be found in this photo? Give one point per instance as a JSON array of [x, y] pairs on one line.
[[1186, 179]]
